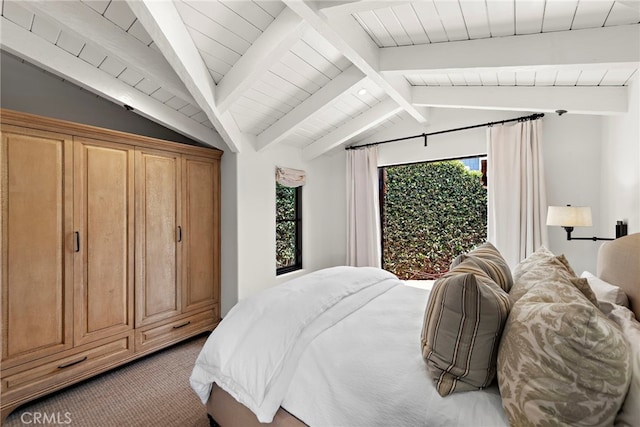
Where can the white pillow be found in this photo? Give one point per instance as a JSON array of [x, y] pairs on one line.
[[630, 412], [606, 291]]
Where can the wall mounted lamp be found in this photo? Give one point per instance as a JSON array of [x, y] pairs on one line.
[[578, 216]]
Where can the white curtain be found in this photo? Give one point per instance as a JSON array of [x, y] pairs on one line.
[[516, 190], [363, 209], [290, 177]]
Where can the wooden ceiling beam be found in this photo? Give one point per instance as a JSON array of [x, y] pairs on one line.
[[35, 50], [278, 39], [597, 100], [344, 33], [610, 47], [354, 127], [323, 98], [83, 22], [355, 6], [163, 23]]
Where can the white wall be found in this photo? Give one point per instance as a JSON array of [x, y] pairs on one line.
[[571, 147], [620, 183], [573, 170], [323, 216]]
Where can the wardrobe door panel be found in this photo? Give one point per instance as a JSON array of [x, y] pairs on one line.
[[157, 220], [201, 265], [37, 179], [104, 217]]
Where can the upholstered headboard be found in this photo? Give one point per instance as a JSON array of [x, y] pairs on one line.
[[619, 264]]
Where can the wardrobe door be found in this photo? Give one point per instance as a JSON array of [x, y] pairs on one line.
[[201, 233], [104, 223], [158, 215], [37, 244]]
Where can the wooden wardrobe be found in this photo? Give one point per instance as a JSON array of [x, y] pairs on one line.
[[110, 250]]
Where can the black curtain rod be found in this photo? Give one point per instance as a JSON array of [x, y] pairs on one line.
[[425, 135]]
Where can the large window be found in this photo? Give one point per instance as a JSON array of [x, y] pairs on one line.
[[431, 212], [288, 229]]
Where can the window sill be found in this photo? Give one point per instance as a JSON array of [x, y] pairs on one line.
[[290, 275], [289, 269]]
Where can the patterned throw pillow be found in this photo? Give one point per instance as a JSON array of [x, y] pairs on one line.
[[540, 255], [490, 260], [566, 264], [583, 286], [463, 321], [561, 361], [536, 268], [629, 415]]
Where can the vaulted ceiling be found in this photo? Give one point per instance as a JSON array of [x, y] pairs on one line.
[[246, 75]]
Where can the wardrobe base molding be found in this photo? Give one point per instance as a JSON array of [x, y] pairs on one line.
[[11, 403]]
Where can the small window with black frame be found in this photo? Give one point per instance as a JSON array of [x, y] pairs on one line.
[[288, 229]]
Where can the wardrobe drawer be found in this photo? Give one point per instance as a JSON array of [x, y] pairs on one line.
[[51, 372], [152, 337]]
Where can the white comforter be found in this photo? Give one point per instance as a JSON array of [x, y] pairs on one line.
[[254, 352], [338, 347]]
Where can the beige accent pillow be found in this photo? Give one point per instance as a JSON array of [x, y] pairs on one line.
[[629, 415], [490, 260], [463, 321], [561, 361], [566, 264], [583, 286], [536, 268], [541, 254]]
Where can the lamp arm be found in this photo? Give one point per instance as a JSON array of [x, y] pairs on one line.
[[570, 229], [589, 238]]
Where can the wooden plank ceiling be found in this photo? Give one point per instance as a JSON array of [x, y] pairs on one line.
[[247, 75]]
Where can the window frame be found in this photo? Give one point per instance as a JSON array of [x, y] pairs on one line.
[[297, 220]]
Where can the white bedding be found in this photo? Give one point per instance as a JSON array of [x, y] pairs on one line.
[[254, 351], [356, 361], [382, 379]]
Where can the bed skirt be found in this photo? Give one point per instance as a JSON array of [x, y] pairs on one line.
[[228, 412]]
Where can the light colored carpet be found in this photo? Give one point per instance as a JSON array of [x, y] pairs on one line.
[[152, 391]]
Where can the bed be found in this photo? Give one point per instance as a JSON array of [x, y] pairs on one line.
[[348, 346]]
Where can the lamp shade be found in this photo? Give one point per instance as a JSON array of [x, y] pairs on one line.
[[569, 216]]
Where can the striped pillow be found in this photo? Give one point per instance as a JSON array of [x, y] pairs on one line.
[[462, 327], [490, 260]]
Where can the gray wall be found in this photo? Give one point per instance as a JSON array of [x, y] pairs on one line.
[[26, 88]]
